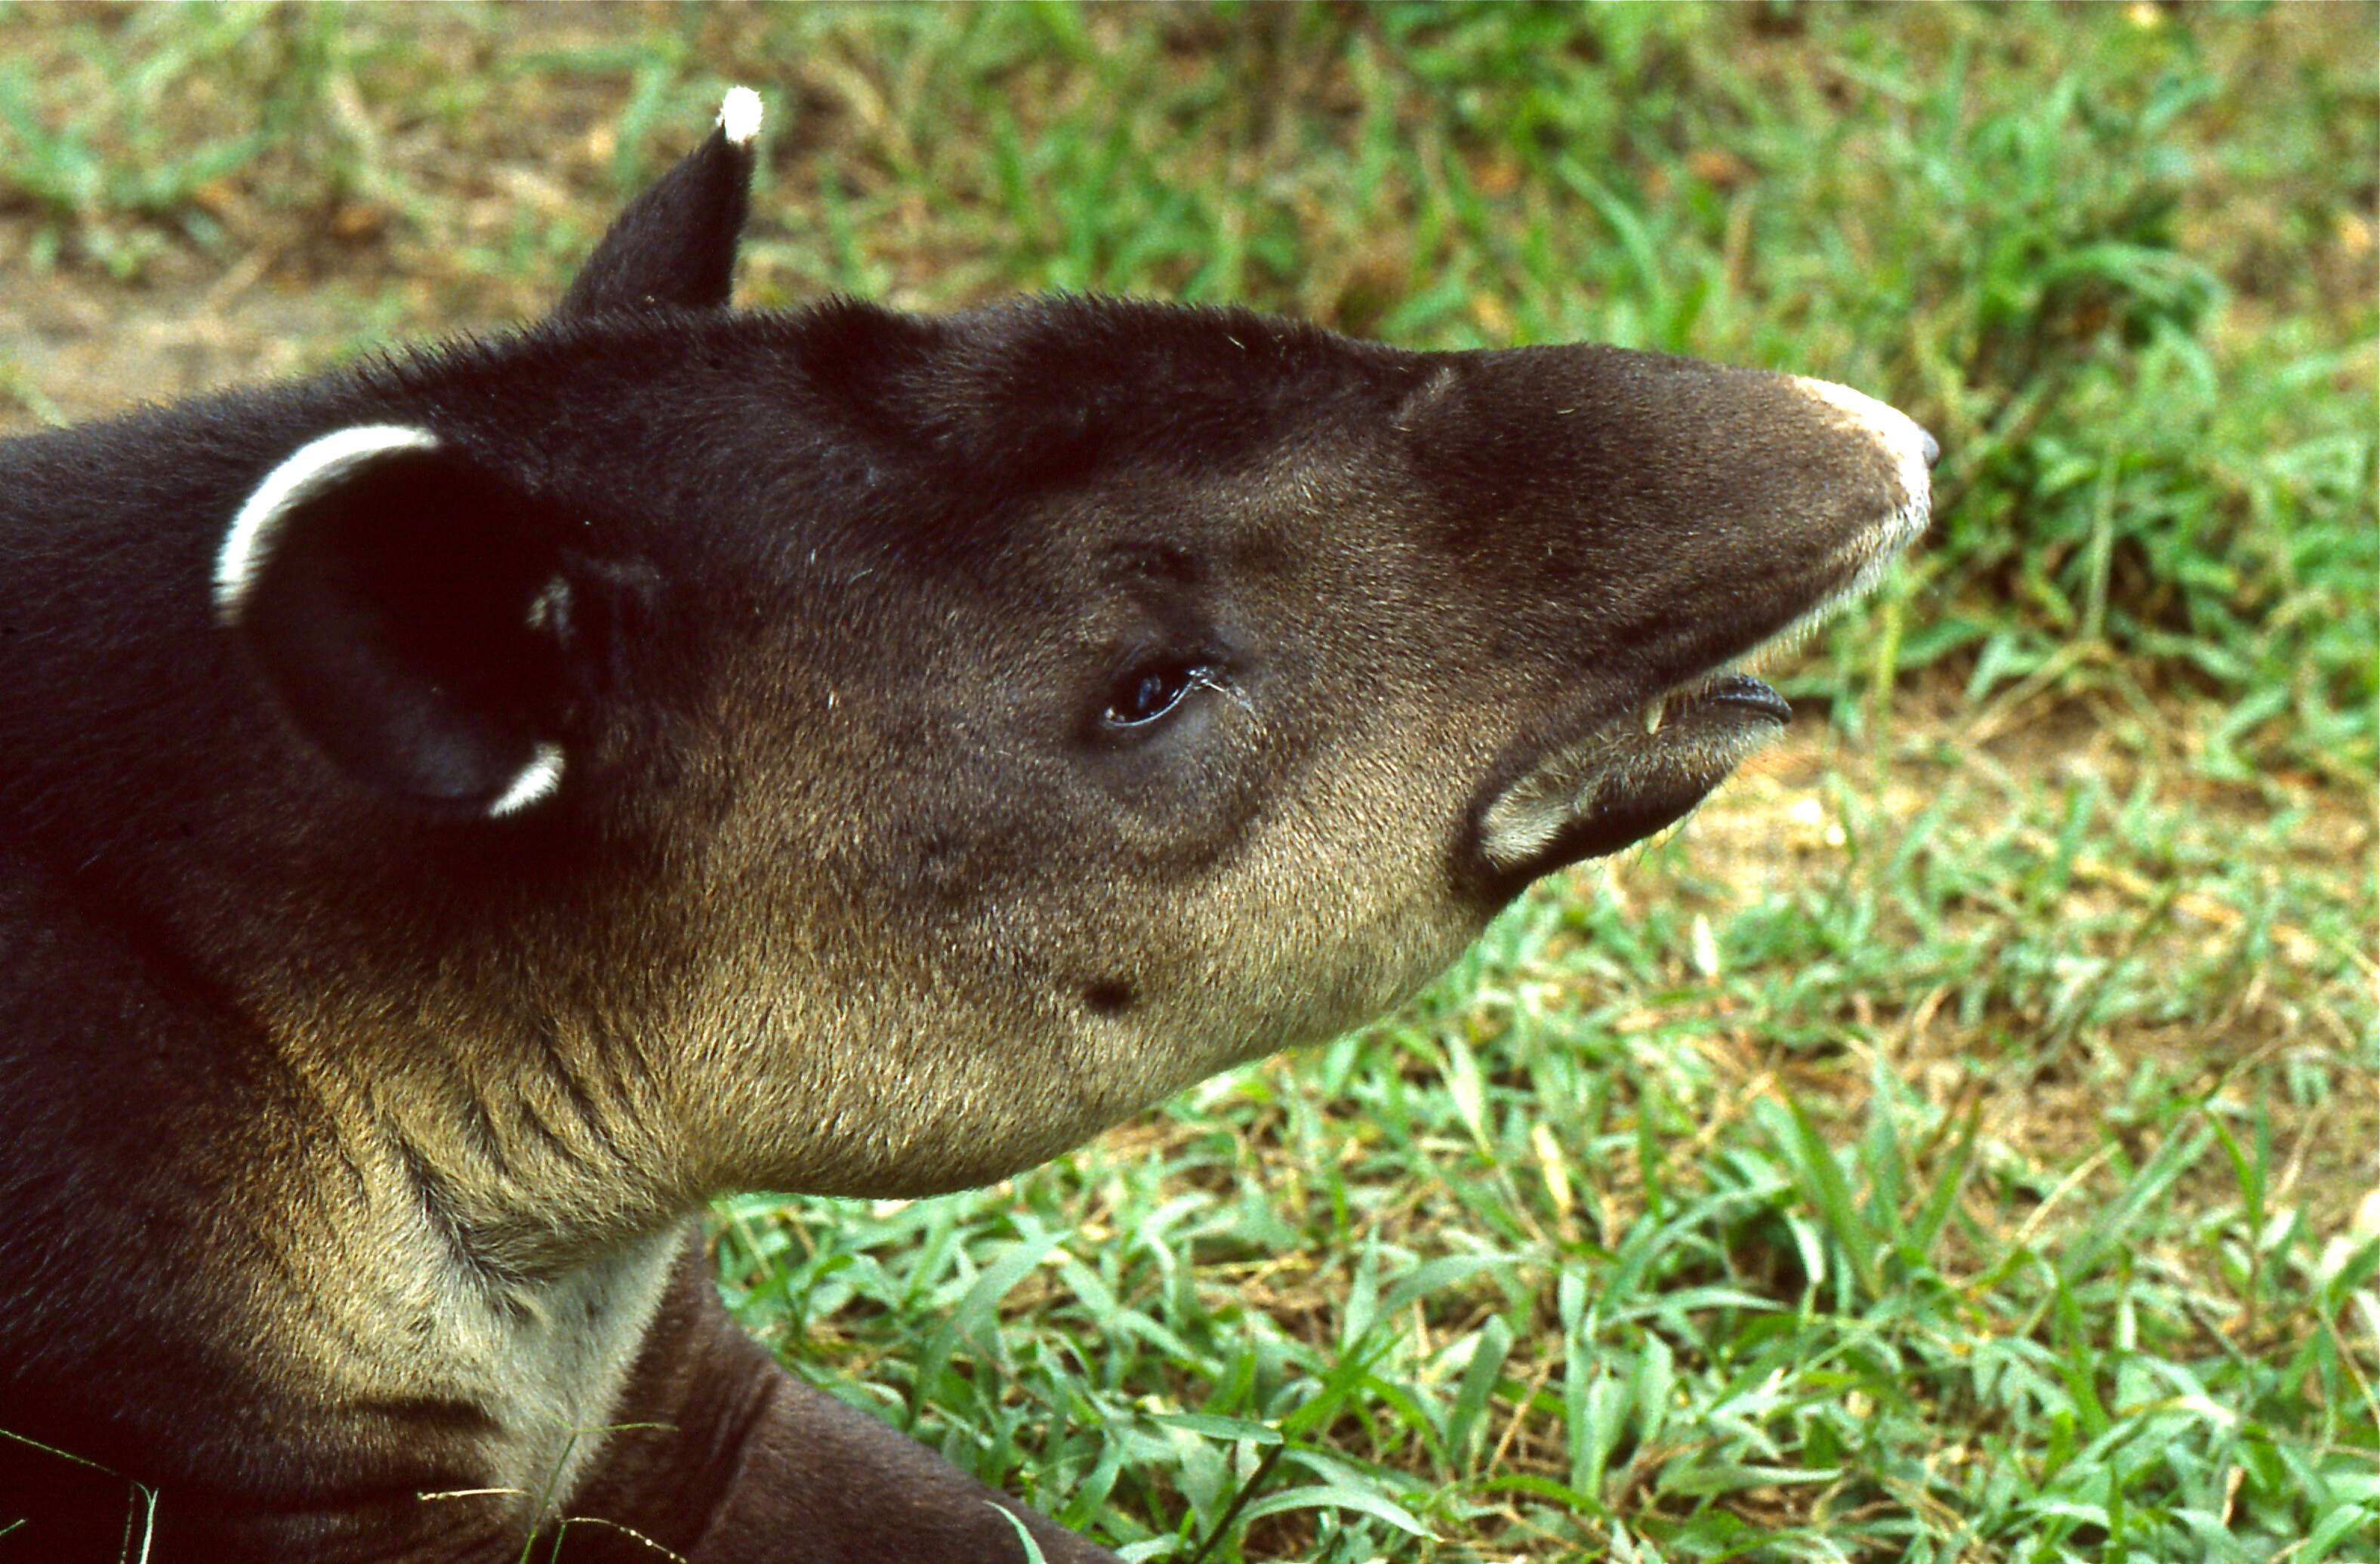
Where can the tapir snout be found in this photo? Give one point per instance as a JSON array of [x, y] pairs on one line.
[[1633, 523]]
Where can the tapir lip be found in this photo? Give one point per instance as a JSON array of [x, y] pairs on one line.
[[1619, 780], [1726, 693]]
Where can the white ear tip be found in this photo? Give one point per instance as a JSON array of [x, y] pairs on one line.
[[537, 779], [739, 116], [302, 475]]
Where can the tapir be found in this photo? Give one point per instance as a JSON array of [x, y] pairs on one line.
[[464, 810]]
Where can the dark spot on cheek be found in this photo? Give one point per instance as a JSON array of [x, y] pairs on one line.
[[1113, 996]]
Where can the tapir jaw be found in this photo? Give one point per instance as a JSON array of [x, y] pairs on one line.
[[1624, 777], [1627, 779]]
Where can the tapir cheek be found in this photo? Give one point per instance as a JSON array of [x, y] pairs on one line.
[[1336, 948]]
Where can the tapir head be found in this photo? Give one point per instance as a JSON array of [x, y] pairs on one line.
[[869, 753]]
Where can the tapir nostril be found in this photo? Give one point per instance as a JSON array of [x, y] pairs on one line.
[[1933, 448]]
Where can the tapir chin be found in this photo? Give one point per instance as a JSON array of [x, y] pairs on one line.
[[460, 812]]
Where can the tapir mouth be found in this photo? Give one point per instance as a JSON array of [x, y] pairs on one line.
[[1624, 778], [1723, 698]]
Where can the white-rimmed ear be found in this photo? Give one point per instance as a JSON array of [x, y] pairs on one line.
[[674, 245], [313, 467], [407, 608]]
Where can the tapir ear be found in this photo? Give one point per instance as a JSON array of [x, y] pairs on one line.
[[410, 609], [676, 243]]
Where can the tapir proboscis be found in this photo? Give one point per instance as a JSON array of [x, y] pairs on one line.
[[460, 812]]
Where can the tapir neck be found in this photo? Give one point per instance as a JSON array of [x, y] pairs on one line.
[[530, 1131]]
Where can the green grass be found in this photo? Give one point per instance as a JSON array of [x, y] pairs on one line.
[[1945, 1147], [1738, 1242]]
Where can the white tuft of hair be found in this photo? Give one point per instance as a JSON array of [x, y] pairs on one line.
[[739, 116], [305, 473], [537, 779], [1891, 427]]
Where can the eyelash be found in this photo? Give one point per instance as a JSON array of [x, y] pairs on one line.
[[1150, 693]]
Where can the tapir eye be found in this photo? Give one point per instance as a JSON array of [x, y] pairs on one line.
[[1151, 690]]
